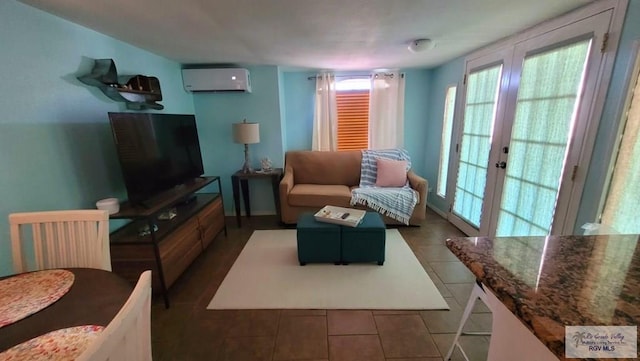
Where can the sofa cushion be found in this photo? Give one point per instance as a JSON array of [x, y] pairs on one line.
[[391, 173], [319, 195], [314, 167]]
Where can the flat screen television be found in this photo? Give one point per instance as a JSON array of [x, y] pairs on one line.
[[156, 151]]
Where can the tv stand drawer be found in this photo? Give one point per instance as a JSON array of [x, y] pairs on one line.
[[179, 249], [211, 221]]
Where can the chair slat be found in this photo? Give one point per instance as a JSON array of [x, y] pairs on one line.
[[16, 246], [38, 245]]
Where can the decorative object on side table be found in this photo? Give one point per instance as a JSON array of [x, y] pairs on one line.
[[246, 133], [266, 164]]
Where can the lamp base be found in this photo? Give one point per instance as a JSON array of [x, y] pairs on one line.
[[246, 167]]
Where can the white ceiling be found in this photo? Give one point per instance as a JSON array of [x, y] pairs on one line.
[[317, 34]]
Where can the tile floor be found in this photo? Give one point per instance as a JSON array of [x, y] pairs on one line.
[[187, 331]]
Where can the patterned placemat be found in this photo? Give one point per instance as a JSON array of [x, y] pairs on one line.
[[60, 345], [28, 293]]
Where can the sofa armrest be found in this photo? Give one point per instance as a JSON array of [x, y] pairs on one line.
[[286, 183], [419, 184]]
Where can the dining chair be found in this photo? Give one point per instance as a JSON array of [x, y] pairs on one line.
[[128, 336], [59, 239]]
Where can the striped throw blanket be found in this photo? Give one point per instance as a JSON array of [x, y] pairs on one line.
[[395, 202]]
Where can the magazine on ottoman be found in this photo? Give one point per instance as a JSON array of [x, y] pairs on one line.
[[339, 215]]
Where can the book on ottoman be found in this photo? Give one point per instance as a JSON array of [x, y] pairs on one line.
[[339, 215]]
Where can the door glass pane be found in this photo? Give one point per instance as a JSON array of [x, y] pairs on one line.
[[445, 146], [545, 112], [479, 115]]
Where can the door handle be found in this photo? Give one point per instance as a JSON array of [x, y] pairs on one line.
[[502, 165]]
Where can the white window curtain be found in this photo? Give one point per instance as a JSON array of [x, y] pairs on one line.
[[386, 111], [325, 121]]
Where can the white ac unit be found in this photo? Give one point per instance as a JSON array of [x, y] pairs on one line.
[[216, 80]]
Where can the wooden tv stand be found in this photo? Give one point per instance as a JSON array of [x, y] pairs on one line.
[[167, 247]]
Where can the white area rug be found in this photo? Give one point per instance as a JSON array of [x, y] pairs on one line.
[[267, 275]]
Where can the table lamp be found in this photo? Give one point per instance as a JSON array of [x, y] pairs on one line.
[[246, 133]]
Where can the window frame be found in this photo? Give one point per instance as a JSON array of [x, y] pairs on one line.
[[445, 144], [632, 77]]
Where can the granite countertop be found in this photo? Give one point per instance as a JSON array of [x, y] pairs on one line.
[[550, 282]]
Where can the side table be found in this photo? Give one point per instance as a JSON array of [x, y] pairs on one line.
[[241, 180]]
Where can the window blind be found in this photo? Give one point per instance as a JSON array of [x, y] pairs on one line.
[[353, 119]]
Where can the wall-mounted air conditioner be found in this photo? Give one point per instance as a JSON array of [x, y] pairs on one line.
[[216, 80]]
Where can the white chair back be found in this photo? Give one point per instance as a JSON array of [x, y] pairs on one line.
[[60, 239], [128, 336]]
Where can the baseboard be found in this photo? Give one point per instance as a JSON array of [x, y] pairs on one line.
[[436, 210]]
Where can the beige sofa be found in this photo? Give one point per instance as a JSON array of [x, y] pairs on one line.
[[314, 179]]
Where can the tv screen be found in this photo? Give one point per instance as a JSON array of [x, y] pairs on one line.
[[156, 152]]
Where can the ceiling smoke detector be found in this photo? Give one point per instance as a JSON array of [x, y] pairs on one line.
[[418, 45]]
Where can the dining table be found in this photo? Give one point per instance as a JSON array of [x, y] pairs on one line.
[[94, 298]]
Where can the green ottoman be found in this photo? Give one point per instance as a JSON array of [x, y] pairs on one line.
[[366, 242], [317, 241]]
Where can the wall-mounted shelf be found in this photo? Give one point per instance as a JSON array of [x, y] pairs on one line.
[[139, 92]]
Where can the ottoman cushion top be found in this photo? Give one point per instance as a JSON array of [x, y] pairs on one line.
[[371, 220], [307, 220]]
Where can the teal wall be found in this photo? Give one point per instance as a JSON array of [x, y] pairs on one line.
[[216, 112], [299, 93], [57, 151], [610, 121], [416, 122], [441, 78]]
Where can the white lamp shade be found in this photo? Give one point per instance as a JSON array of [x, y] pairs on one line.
[[246, 133]]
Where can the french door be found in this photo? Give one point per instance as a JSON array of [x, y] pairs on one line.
[[525, 114], [485, 91]]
